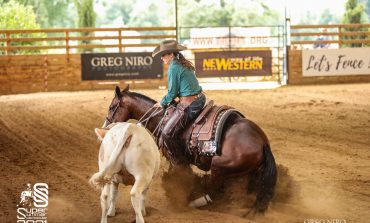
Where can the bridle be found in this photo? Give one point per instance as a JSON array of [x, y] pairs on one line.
[[110, 120], [144, 119]]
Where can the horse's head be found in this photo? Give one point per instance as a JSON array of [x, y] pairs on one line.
[[118, 109]]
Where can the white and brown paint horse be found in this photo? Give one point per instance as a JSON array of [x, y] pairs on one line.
[[128, 154]]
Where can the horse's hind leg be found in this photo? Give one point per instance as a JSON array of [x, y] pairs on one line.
[[104, 201], [143, 197], [113, 199], [141, 184]]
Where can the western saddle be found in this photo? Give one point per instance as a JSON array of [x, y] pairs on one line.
[[203, 136]]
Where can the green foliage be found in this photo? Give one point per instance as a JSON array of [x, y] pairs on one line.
[[132, 13], [192, 14], [114, 10], [367, 8], [366, 4], [2, 2], [135, 13], [326, 17], [150, 18], [86, 17], [85, 12], [52, 13], [17, 16], [354, 14]]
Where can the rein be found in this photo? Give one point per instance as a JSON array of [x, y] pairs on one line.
[[153, 111], [156, 111], [114, 112]]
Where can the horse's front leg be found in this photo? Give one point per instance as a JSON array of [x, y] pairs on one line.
[[213, 188], [178, 183]]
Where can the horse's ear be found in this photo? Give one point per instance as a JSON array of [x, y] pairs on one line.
[[100, 133], [127, 88], [118, 92]]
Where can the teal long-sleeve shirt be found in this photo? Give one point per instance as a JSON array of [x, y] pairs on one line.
[[182, 82]]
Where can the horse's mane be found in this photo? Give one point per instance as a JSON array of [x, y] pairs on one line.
[[138, 95]]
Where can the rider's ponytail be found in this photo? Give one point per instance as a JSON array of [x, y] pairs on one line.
[[184, 62]]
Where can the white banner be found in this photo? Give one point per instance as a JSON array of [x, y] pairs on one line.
[[333, 62]]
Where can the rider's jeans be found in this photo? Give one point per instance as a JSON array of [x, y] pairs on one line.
[[196, 107], [177, 122]]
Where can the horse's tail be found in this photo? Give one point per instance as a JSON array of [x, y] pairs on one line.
[[264, 181], [98, 180]]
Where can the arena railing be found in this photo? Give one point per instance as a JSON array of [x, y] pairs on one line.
[[66, 41], [336, 35]]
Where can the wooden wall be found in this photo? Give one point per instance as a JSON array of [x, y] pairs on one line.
[[58, 72], [295, 73]]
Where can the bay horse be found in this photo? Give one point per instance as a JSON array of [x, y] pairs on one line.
[[128, 154], [245, 149]]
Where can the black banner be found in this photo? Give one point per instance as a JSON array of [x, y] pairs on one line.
[[120, 66], [233, 63]]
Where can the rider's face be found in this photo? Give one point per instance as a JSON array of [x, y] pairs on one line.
[[167, 58]]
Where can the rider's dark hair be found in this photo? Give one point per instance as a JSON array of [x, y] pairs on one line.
[[184, 62]]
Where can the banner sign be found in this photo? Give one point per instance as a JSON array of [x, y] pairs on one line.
[[233, 63], [333, 62], [120, 66]]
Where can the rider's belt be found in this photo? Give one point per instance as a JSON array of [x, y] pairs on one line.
[[189, 99]]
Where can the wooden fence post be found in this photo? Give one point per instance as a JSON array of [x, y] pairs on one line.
[[67, 45], [340, 36], [7, 43], [120, 40], [46, 72]]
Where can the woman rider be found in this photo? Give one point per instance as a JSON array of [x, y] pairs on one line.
[[182, 84]]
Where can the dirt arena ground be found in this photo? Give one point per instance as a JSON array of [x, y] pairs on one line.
[[320, 136]]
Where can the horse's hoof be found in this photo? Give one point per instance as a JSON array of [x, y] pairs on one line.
[[111, 213], [200, 202]]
